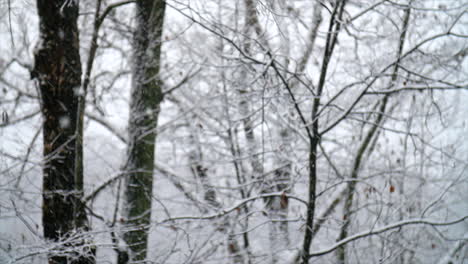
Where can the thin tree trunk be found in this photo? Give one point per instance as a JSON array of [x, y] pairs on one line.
[[341, 253], [58, 71], [198, 169], [315, 137], [277, 207], [250, 23], [316, 21], [79, 167], [209, 196], [234, 249], [146, 96]]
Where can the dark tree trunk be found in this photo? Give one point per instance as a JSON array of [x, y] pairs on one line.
[[315, 136], [58, 71], [146, 96]]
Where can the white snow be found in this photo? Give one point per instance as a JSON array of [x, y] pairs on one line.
[[64, 121]]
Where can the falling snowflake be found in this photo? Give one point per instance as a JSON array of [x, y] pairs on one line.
[[64, 122]]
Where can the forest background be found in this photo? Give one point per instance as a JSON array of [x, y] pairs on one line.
[[243, 131]]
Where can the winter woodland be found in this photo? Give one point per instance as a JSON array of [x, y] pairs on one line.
[[233, 131]]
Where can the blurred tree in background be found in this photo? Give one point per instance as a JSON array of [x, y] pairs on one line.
[[245, 131]]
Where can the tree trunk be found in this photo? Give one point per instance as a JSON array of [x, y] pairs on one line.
[[349, 198], [277, 207], [315, 135], [58, 71], [146, 96]]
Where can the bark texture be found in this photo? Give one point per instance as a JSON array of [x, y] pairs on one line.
[[58, 72], [146, 96]]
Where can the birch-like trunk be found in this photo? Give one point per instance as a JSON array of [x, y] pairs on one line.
[[276, 207]]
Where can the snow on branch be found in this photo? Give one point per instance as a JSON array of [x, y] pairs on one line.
[[386, 228]]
